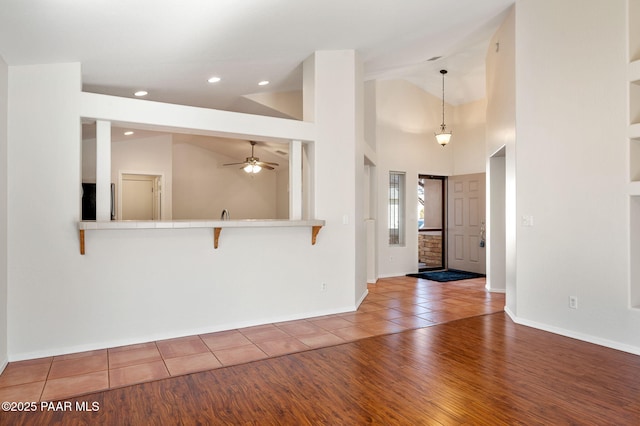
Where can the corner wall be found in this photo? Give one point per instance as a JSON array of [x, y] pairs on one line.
[[501, 170], [43, 209], [571, 97], [333, 100]]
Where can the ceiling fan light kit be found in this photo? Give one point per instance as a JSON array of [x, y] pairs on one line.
[[443, 137], [253, 164], [252, 168]]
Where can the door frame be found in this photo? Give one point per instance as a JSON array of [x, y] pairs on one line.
[[158, 185], [443, 230]]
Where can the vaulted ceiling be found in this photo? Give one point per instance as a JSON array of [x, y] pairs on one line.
[[171, 48]]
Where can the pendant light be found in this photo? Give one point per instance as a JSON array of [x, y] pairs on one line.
[[443, 137]]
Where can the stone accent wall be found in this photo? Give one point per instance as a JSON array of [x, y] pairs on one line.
[[430, 249]]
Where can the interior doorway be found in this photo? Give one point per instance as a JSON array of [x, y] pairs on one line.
[[431, 222], [140, 197], [497, 229]]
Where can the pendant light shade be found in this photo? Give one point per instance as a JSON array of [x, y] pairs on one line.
[[443, 137]]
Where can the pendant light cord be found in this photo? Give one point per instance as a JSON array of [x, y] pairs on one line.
[[443, 72]]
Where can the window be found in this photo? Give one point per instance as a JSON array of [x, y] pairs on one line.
[[396, 208]]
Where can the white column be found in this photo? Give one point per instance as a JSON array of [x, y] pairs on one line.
[[295, 180], [103, 170], [333, 99]]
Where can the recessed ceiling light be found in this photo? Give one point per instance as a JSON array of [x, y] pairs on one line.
[[214, 79], [141, 93], [128, 133], [263, 83]]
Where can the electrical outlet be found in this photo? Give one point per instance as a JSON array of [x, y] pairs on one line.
[[573, 302], [323, 287]]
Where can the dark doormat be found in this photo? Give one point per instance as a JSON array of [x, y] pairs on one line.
[[445, 276]]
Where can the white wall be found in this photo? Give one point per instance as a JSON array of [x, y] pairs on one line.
[[50, 297], [571, 170], [469, 121], [333, 100], [89, 160], [501, 172], [3, 213], [496, 255], [202, 188], [288, 103], [361, 181], [282, 193], [407, 118], [141, 285]]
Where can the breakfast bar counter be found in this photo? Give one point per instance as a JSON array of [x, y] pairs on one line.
[[216, 225]]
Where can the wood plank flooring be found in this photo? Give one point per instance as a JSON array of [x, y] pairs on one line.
[[481, 370]]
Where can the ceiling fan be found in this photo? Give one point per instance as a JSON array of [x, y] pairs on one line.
[[253, 164]]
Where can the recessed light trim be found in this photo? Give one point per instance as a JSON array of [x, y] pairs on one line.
[[140, 93], [128, 133], [263, 83], [214, 79]]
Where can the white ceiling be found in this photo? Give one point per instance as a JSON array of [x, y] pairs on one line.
[[170, 48]]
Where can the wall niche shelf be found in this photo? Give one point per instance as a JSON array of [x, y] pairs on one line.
[[634, 92], [216, 225], [633, 38], [634, 234], [634, 159]]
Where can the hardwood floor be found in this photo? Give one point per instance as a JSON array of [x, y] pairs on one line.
[[483, 370], [393, 305]]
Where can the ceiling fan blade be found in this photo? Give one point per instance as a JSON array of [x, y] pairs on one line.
[[254, 161]]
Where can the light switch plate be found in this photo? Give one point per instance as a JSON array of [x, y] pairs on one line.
[[527, 220]]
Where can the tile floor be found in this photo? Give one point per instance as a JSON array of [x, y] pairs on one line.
[[393, 305]]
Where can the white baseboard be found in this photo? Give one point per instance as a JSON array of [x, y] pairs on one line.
[[365, 293], [175, 334], [573, 334], [394, 275]]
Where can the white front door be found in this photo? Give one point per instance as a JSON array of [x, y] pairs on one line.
[[466, 220]]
